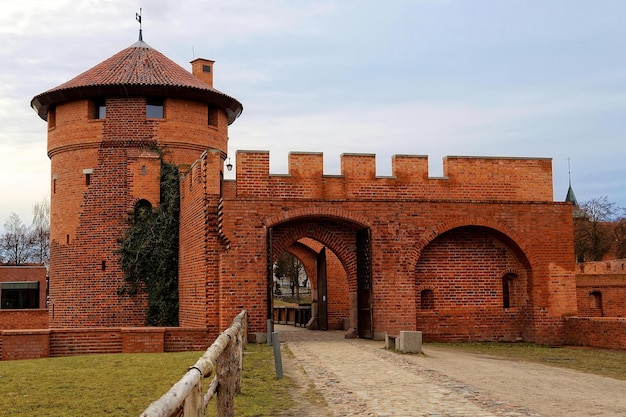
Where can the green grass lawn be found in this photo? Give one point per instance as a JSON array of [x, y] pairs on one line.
[[611, 363], [125, 384]]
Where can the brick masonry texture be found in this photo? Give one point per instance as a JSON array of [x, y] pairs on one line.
[[458, 236], [31, 344]]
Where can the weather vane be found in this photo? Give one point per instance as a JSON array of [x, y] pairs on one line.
[[138, 18]]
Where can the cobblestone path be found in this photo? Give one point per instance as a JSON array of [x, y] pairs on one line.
[[360, 378]]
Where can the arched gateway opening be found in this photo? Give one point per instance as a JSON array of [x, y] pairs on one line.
[[336, 256]]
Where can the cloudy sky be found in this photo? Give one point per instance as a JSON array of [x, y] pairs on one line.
[[536, 78]]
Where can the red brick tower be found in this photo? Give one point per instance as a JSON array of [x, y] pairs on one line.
[[104, 128]]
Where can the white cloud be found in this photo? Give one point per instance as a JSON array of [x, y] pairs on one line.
[[422, 77]]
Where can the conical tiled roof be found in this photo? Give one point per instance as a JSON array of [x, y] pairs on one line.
[[138, 70]]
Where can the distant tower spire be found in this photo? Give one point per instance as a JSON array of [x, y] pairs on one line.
[[138, 18], [571, 197]]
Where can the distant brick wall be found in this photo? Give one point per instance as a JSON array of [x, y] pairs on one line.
[[25, 344], [23, 319], [24, 273], [30, 344], [601, 288], [609, 333]]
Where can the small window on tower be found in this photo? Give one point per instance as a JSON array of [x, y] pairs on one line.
[[212, 116], [52, 118], [98, 109], [87, 173], [154, 108]]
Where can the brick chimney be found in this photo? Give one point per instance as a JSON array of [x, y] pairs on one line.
[[203, 69]]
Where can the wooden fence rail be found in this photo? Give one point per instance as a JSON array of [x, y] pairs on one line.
[[224, 358]]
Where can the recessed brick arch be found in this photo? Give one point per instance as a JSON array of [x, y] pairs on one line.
[[518, 243], [467, 264], [338, 237], [316, 212], [307, 256]]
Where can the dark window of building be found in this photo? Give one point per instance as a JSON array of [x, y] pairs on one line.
[[104, 265], [52, 118], [154, 108], [143, 170], [87, 178], [143, 209], [212, 117], [206, 68], [595, 301], [507, 282], [427, 299], [19, 295], [54, 186], [98, 109]]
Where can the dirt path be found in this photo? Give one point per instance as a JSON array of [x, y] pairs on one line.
[[360, 378], [546, 390]]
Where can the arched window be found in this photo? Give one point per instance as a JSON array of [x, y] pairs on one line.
[[143, 209], [427, 299], [595, 302]]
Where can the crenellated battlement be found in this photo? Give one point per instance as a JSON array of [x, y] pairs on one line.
[[464, 178]]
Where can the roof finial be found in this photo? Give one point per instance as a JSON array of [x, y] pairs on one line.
[[569, 172], [571, 197], [138, 18]]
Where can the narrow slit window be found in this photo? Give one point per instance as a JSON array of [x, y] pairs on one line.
[[52, 118], [212, 116], [427, 299], [104, 265], [507, 282], [87, 173]]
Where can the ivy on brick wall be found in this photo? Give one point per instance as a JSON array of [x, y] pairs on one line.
[[149, 252]]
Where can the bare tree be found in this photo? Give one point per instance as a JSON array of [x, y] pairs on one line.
[[594, 233], [40, 232], [620, 239], [15, 245], [288, 266]]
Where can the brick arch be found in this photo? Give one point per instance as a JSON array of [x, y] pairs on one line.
[[307, 257], [328, 212], [521, 245], [130, 208], [338, 237]]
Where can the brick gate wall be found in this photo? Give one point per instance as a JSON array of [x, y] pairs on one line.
[[405, 213]]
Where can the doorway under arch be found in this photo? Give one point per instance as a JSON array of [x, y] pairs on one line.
[[336, 253]]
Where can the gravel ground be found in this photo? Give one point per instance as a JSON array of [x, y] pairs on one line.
[[360, 378]]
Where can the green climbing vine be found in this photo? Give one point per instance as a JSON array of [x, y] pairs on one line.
[[149, 252]]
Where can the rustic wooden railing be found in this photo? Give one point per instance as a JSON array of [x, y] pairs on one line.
[[224, 358]]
